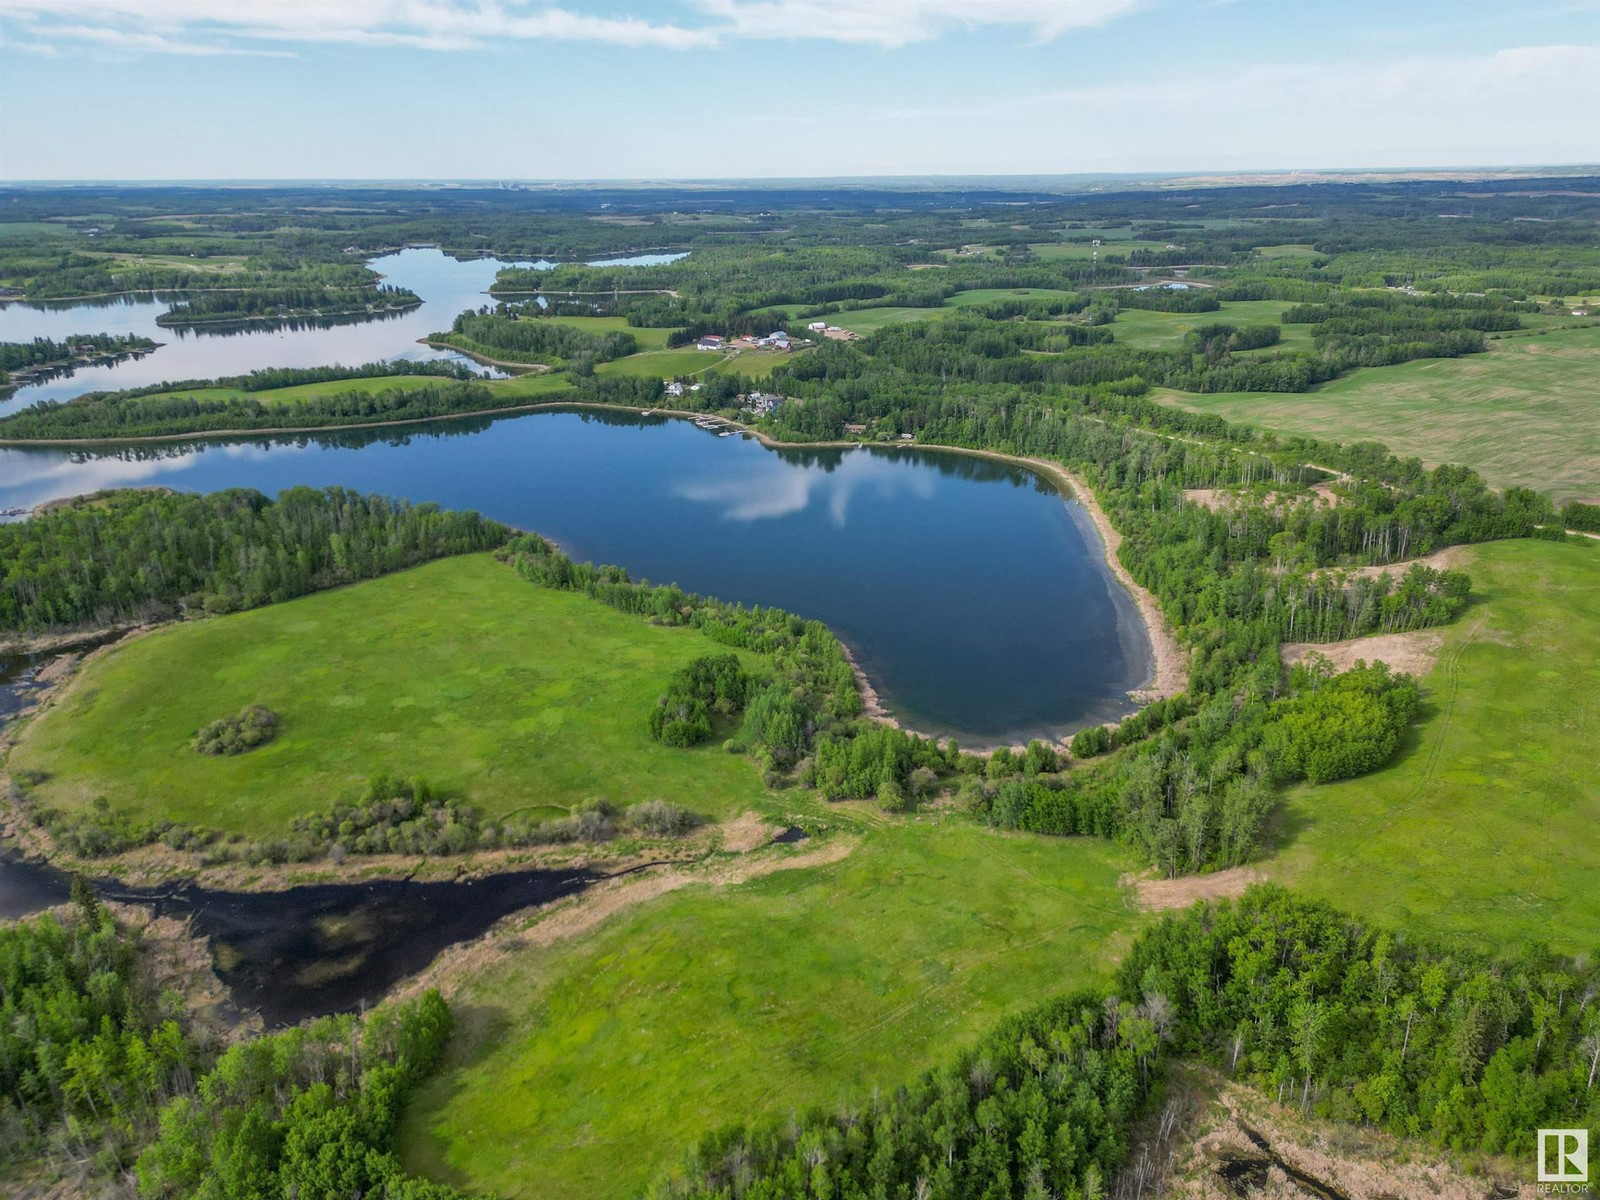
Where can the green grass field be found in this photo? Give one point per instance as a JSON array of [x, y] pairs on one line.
[[1288, 250], [1525, 412], [531, 384], [986, 295], [661, 364], [584, 1070], [1149, 330], [1086, 251], [648, 339], [1485, 826], [870, 320], [495, 690]]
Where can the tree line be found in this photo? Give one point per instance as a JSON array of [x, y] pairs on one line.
[[44, 352], [125, 556], [258, 302], [101, 416]]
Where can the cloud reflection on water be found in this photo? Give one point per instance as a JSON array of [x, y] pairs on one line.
[[780, 488], [32, 477]]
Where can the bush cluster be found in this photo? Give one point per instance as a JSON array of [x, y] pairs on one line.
[[252, 726], [712, 684]]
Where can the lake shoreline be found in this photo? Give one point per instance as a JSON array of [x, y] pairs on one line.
[[1169, 671], [266, 318], [526, 368]]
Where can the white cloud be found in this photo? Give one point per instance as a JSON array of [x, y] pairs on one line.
[[781, 489], [223, 26], [892, 23], [1507, 106], [220, 26]]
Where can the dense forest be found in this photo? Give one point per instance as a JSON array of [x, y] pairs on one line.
[[101, 1079], [121, 557]]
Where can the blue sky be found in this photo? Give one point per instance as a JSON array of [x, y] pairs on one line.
[[631, 89]]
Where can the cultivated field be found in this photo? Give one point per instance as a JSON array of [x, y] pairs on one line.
[[1526, 412], [1484, 826], [494, 690], [584, 1069]]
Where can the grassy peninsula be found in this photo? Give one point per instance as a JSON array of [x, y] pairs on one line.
[[506, 696]]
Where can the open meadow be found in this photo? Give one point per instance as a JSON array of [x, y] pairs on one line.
[[582, 1070], [1484, 825], [1523, 413], [503, 693], [1150, 330]]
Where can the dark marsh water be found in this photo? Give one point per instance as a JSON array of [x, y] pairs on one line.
[[313, 950]]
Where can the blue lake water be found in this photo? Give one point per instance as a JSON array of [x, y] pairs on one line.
[[447, 287], [976, 599]]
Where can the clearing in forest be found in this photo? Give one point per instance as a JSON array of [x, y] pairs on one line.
[[1483, 826]]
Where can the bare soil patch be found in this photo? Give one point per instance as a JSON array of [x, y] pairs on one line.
[[1159, 895], [1219, 499], [1219, 1140], [746, 832], [1414, 653], [1441, 560]]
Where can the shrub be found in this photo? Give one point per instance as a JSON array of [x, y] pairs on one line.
[[1343, 726], [662, 819], [252, 726], [1087, 743], [892, 798]]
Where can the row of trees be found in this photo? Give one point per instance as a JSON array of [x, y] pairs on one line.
[[20, 356], [68, 275], [305, 300], [99, 416], [119, 557]]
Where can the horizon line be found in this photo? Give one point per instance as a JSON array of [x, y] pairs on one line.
[[1443, 171]]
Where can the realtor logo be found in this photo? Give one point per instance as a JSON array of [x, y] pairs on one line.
[[1563, 1156]]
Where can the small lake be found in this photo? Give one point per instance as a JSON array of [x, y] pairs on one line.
[[447, 288], [977, 601]]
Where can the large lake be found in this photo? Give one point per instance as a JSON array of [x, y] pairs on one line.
[[976, 599], [447, 287]]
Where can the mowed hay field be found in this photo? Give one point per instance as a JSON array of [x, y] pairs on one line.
[[1526, 412], [497, 691], [1485, 826], [582, 1071]]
